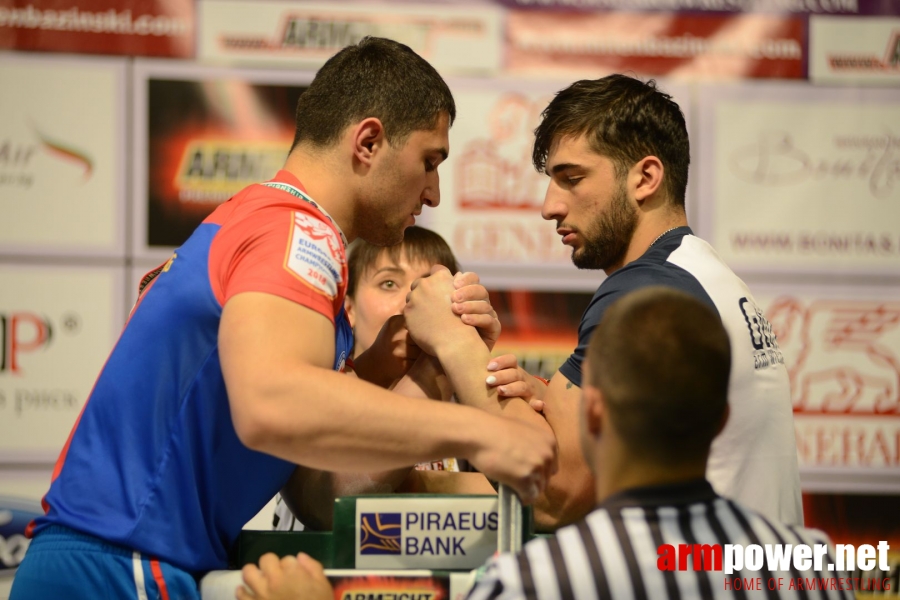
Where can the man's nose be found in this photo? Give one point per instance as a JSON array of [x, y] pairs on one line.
[[553, 208], [431, 195]]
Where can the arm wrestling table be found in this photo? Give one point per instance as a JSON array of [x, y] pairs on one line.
[[394, 547]]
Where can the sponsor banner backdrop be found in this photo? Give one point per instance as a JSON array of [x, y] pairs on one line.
[[854, 51], [671, 44], [801, 7], [841, 346], [801, 179], [491, 195], [455, 39], [145, 28], [202, 135], [57, 326], [62, 163]]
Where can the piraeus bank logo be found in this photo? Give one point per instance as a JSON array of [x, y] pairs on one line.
[[380, 533], [422, 533]]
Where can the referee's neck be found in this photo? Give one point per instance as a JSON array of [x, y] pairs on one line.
[[614, 477]]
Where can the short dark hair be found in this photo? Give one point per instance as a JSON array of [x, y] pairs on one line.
[[625, 120], [662, 360], [419, 244], [375, 78]]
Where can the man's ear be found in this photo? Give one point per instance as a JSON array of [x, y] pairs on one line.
[[646, 176], [592, 409], [368, 138]]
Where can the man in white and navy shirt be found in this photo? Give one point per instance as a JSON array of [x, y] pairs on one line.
[[654, 396], [617, 153]]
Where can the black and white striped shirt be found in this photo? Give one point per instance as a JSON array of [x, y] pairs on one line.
[[612, 553]]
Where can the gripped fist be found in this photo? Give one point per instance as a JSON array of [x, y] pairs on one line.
[[521, 455], [428, 315], [472, 302]]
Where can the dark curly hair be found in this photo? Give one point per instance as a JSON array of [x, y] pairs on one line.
[[624, 119]]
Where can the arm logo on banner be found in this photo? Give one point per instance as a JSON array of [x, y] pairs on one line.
[[315, 33], [212, 170], [869, 62]]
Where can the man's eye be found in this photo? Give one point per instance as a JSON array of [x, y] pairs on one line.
[[388, 285], [429, 166], [573, 180]]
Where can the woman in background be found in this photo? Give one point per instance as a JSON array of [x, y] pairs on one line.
[[380, 279]]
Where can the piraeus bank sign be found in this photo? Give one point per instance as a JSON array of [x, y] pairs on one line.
[[427, 533]]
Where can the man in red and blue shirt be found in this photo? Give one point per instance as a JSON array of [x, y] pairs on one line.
[[227, 373]]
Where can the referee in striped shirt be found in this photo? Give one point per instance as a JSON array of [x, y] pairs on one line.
[[653, 399]]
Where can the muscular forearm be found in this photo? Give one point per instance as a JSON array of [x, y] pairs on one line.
[[310, 493], [570, 491], [326, 420], [464, 359], [287, 402]]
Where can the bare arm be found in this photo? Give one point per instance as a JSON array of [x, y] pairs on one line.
[[286, 401], [570, 491], [310, 493], [569, 494], [462, 353]]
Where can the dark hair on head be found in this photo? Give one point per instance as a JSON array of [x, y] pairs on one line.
[[662, 359], [419, 244], [375, 78], [625, 120]]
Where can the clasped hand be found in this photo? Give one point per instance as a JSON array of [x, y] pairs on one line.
[[441, 310]]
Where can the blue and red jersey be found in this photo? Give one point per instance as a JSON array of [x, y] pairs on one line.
[[154, 463]]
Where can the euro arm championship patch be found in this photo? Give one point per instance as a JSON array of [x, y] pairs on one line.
[[314, 254]]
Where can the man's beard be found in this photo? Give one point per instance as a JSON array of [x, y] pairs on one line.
[[607, 240]]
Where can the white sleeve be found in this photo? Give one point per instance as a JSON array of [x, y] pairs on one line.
[[500, 581]]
